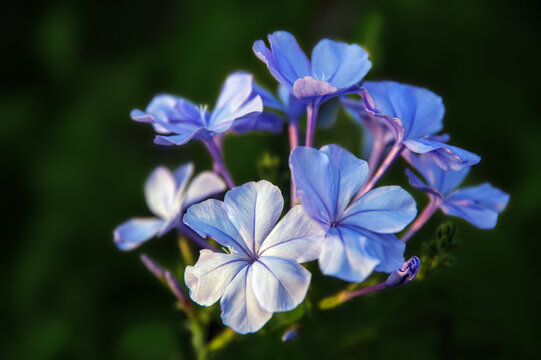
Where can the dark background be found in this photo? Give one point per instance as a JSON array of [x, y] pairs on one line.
[[74, 165]]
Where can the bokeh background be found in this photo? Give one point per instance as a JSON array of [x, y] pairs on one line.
[[74, 166]]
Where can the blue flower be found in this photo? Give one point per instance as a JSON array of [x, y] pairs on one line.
[[166, 197], [359, 236], [335, 68], [185, 121], [479, 205], [261, 273], [414, 116]]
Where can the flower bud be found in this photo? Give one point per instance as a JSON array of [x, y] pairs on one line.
[[290, 334], [405, 274]]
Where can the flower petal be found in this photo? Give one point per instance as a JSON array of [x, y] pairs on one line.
[[339, 63], [387, 209], [442, 181], [240, 309], [446, 156], [264, 54], [223, 120], [203, 186], [290, 59], [478, 205], [279, 284], [348, 255], [160, 191], [317, 182], [209, 277], [136, 231], [254, 208], [210, 219], [269, 101], [185, 133], [266, 121], [419, 110], [390, 251], [352, 173], [296, 237]]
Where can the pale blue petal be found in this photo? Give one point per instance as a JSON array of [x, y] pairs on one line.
[[348, 255], [420, 110], [182, 175], [295, 108], [269, 101], [317, 182], [136, 231], [210, 276], [240, 309], [254, 208], [339, 63], [223, 120], [203, 186], [183, 137], [264, 54], [387, 209], [296, 237], [419, 184], [210, 219], [478, 205], [442, 181], [143, 117], [390, 251], [279, 284], [290, 59], [236, 90], [446, 156], [266, 121], [160, 192], [352, 173]]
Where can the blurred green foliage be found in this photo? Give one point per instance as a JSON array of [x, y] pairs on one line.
[[76, 165]]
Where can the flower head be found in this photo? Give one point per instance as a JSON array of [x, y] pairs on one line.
[[414, 115], [261, 273], [167, 195], [182, 121], [479, 205], [335, 67], [359, 236]]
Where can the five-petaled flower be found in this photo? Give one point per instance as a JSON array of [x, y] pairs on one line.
[[166, 197], [413, 115], [178, 121], [479, 205], [335, 67], [261, 273], [359, 236]]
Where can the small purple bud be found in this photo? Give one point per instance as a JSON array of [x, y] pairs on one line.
[[153, 267], [405, 274], [175, 287], [290, 335]]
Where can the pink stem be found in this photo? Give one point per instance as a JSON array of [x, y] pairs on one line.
[[353, 294], [387, 162], [293, 131], [311, 119], [219, 162], [425, 215]]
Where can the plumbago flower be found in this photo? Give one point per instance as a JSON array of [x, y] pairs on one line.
[[261, 273], [179, 117], [166, 197], [335, 68], [359, 236], [479, 205], [413, 116]]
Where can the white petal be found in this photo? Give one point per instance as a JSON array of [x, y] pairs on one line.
[[203, 186], [209, 277], [279, 284], [240, 309], [254, 208], [296, 237], [160, 190]]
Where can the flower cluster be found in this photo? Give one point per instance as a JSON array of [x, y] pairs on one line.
[[337, 215]]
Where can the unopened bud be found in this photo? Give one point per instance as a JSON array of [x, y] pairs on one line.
[[290, 334], [405, 274]]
